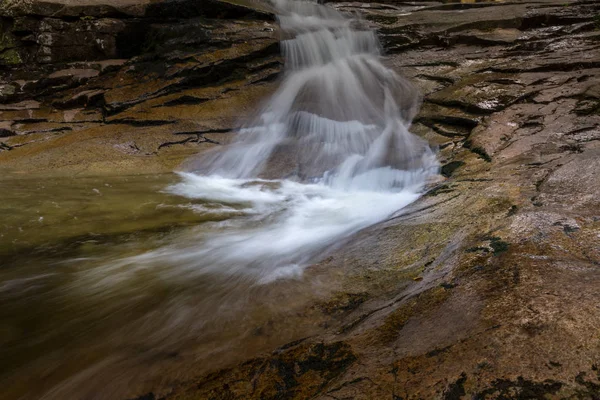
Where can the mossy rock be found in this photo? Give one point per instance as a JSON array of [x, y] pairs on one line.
[[11, 57]]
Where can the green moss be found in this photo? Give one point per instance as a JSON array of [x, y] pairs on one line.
[[477, 249], [343, 302], [11, 57], [8, 44], [7, 41], [498, 245]]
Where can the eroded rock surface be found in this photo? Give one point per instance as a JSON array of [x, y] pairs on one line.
[[486, 288], [88, 86]]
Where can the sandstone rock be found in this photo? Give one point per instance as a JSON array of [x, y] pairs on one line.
[[134, 8], [24, 105], [163, 59], [87, 98], [109, 65], [76, 74], [479, 274], [487, 287]]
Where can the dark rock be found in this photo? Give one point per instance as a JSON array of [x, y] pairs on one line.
[[6, 129], [64, 31], [209, 9], [87, 98], [521, 388], [448, 169], [299, 371], [456, 390]]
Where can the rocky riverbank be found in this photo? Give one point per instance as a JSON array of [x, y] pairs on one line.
[[485, 288], [92, 86]]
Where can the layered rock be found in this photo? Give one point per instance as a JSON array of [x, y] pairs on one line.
[[74, 72], [485, 288]]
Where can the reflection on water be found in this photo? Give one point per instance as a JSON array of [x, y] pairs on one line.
[[79, 322], [109, 286]]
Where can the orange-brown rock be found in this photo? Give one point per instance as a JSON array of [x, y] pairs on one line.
[[485, 288]]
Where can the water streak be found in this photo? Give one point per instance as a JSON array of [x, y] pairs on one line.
[[329, 154]]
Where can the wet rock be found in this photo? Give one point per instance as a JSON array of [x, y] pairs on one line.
[[448, 169], [299, 371], [6, 91], [24, 105], [470, 289], [487, 287], [135, 8], [343, 302], [64, 31], [87, 98], [73, 74], [107, 62], [576, 176], [6, 129], [480, 95]]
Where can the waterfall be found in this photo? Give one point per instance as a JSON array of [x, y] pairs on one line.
[[329, 154], [340, 116]]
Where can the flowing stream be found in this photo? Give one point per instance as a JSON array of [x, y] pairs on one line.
[[334, 142], [110, 313]]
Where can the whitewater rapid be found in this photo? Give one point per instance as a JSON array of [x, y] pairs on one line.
[[335, 136], [155, 280]]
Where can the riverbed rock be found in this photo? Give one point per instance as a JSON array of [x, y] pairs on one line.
[[62, 31], [485, 288], [114, 68]]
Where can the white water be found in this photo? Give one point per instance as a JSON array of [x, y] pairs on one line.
[[107, 313], [328, 155], [334, 142]]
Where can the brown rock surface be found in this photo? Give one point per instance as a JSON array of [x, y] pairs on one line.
[[186, 75], [486, 288]]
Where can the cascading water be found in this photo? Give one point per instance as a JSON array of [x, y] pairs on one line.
[[329, 154], [340, 115]]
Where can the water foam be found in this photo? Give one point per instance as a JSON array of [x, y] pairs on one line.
[[329, 155]]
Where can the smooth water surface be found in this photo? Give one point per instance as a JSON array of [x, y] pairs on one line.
[[82, 318], [112, 286]]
